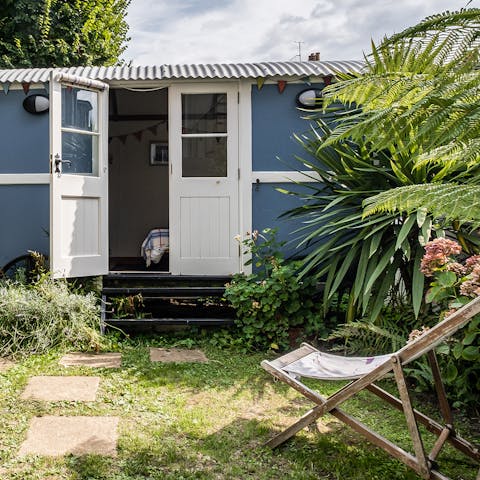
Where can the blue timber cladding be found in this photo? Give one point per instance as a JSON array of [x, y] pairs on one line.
[[25, 220], [275, 119], [268, 205], [24, 137]]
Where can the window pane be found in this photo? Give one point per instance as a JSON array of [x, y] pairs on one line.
[[204, 113], [204, 157], [81, 151], [79, 109]]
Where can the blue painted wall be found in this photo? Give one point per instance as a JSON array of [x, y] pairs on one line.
[[275, 118], [24, 220], [24, 138], [269, 204]]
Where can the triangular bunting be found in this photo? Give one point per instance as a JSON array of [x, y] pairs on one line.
[[260, 82], [46, 86], [153, 129], [122, 138], [327, 80], [26, 87], [6, 87], [306, 80], [138, 135], [281, 85]]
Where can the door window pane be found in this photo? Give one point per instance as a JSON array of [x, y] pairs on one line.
[[204, 157], [80, 153], [204, 113], [79, 109]]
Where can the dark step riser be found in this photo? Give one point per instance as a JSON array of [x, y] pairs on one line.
[[167, 281], [189, 292]]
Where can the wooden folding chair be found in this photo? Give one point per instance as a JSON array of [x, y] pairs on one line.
[[364, 371]]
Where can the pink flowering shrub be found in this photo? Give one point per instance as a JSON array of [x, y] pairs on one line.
[[452, 279], [454, 283]]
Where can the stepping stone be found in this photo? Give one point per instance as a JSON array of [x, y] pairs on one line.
[[55, 436], [97, 360], [55, 389], [5, 364], [176, 355]]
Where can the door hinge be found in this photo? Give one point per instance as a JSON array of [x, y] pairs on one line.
[[238, 170], [238, 97], [239, 250]]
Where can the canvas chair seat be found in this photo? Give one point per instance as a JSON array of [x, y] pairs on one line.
[[324, 366], [363, 372]]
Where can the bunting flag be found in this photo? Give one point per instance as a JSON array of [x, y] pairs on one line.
[[46, 86], [281, 85], [327, 80], [306, 80], [26, 87], [260, 82], [6, 87], [138, 134]]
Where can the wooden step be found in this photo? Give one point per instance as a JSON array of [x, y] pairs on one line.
[[165, 292], [143, 322]]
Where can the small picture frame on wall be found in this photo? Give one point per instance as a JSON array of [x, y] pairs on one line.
[[158, 153]]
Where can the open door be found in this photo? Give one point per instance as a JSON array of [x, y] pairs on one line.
[[204, 178], [79, 176]]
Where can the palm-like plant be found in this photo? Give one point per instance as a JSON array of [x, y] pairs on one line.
[[413, 121]]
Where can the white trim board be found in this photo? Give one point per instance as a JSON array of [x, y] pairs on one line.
[[24, 178], [285, 177]]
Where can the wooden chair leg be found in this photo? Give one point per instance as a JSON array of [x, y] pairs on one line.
[[410, 418], [440, 388], [293, 429]]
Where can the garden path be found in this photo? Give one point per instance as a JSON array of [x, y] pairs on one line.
[[52, 435]]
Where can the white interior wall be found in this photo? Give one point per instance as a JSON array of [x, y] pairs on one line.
[[138, 191]]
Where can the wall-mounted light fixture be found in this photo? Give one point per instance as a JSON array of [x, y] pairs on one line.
[[310, 98], [36, 104]]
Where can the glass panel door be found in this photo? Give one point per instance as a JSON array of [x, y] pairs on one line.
[[204, 135], [79, 131]]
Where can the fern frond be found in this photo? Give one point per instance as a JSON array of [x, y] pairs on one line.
[[449, 201]]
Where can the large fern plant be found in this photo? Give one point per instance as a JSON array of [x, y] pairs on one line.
[[407, 139]]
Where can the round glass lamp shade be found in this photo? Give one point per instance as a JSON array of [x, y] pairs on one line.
[[36, 104], [311, 98]]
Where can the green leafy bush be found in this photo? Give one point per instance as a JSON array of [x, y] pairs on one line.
[[46, 314], [454, 284], [273, 301]]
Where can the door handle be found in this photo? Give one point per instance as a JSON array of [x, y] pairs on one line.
[[58, 162]]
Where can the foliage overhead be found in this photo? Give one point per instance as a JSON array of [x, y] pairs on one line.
[[62, 33], [424, 85], [410, 120]]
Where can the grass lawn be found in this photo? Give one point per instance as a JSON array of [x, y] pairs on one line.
[[200, 421]]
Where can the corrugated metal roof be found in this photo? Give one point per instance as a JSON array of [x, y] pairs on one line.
[[190, 71]]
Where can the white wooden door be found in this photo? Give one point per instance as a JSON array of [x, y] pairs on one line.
[[79, 176], [204, 213]]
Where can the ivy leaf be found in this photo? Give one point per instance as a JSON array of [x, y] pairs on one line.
[[451, 372], [471, 353]]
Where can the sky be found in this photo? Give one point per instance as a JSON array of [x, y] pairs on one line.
[[235, 31]]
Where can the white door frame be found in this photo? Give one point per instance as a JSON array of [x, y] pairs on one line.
[[179, 186], [78, 202]]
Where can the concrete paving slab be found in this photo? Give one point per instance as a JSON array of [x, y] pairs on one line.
[[55, 389], [176, 355], [5, 364], [96, 360], [54, 436]]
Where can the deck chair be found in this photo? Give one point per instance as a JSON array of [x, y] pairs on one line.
[[363, 372]]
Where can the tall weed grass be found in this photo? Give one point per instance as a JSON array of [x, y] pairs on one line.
[[44, 315]]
